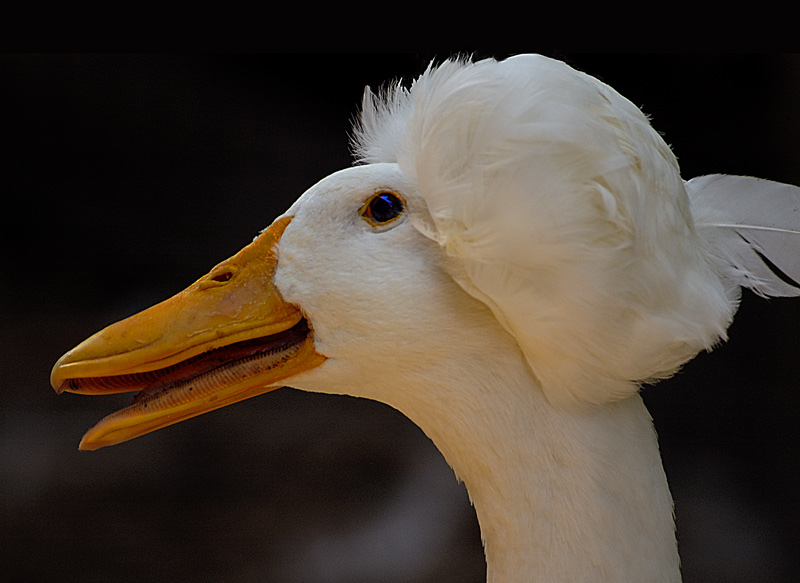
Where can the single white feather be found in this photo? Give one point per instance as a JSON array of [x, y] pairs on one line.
[[744, 221]]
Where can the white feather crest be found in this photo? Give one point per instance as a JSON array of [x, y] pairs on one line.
[[564, 211]]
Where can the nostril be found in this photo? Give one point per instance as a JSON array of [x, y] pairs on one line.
[[222, 276], [217, 278]]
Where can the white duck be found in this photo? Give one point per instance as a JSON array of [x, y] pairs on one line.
[[514, 256]]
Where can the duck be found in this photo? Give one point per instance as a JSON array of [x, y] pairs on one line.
[[512, 256]]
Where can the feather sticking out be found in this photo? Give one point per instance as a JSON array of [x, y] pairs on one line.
[[752, 227]]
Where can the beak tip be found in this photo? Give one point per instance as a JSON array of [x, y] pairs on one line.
[[56, 382], [89, 444], [58, 386], [57, 377]]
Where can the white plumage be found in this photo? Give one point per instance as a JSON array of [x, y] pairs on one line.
[[547, 260], [568, 214]]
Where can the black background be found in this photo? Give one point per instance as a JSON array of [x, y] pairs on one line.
[[126, 176]]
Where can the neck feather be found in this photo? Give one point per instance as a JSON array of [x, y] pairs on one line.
[[561, 496]]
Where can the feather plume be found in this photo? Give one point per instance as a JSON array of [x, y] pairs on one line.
[[563, 210], [752, 227]]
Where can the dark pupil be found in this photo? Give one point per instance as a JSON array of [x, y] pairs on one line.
[[385, 207]]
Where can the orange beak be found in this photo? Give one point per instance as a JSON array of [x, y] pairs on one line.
[[227, 337]]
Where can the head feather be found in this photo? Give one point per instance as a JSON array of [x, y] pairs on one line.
[[563, 210]]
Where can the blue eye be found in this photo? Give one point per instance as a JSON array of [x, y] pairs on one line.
[[382, 208]]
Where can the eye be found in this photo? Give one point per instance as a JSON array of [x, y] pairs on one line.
[[382, 207]]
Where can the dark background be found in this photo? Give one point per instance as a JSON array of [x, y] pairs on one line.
[[125, 177]]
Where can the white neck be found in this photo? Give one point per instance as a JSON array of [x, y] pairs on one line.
[[560, 496]]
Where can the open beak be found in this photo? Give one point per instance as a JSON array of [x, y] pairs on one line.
[[227, 337]]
